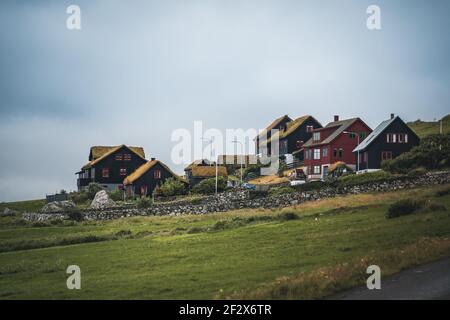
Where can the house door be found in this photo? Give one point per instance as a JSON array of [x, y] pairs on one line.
[[143, 190]]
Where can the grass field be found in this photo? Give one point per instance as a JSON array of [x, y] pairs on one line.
[[243, 254], [425, 128]]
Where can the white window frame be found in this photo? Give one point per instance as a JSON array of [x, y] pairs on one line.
[[317, 154], [316, 136]]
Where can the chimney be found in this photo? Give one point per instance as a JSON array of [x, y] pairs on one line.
[[153, 159], [392, 116], [336, 118]]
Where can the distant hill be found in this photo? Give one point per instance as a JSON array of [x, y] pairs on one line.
[[425, 128]]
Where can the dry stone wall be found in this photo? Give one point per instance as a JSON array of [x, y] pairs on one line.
[[240, 199]]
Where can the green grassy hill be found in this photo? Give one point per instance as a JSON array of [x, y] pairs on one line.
[[23, 206], [245, 253], [425, 128]]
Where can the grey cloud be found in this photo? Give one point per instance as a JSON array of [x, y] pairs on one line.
[[138, 70]]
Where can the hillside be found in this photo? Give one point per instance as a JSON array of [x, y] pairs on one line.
[[425, 128], [23, 206], [307, 251]]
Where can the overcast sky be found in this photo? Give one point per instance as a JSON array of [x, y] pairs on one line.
[[137, 70]]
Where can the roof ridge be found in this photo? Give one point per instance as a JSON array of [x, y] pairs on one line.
[[108, 153]]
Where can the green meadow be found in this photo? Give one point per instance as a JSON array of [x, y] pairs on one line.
[[425, 128], [307, 251]]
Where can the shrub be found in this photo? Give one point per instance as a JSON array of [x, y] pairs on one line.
[[124, 233], [403, 207], [116, 195], [355, 179], [56, 222], [40, 224], [288, 215], [195, 200], [433, 152], [144, 202], [278, 191], [92, 190], [281, 168], [443, 192], [208, 186], [254, 170], [75, 214], [196, 230], [433, 206], [257, 194], [78, 197], [310, 186], [417, 172], [172, 187]]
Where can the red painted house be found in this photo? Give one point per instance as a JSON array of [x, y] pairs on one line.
[[335, 142]]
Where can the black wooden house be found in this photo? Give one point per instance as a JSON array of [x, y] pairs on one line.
[[110, 165], [291, 136], [389, 140], [147, 177]]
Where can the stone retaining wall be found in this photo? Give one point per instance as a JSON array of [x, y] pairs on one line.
[[233, 200]]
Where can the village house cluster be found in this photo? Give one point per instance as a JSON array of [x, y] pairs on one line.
[[302, 143]]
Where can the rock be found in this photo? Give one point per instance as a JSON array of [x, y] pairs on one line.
[[9, 212], [102, 200], [58, 206]]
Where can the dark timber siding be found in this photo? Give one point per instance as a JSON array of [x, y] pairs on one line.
[[380, 144], [148, 179], [300, 134], [114, 167]]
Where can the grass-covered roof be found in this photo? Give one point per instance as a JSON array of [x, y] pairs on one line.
[[144, 168]]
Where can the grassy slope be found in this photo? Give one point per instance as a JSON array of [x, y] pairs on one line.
[[424, 128], [163, 260], [23, 206]]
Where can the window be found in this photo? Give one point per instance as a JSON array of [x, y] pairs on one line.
[[389, 138], [325, 152], [309, 128], [123, 172], [119, 157], [335, 152], [157, 174], [341, 152], [308, 154], [386, 155], [299, 144], [127, 157], [402, 138], [316, 154], [316, 136], [352, 135], [105, 172], [362, 135], [316, 169]]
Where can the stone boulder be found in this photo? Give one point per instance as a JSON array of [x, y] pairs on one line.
[[102, 200], [8, 212], [58, 206]]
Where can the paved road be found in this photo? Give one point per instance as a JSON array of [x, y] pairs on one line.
[[430, 281]]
